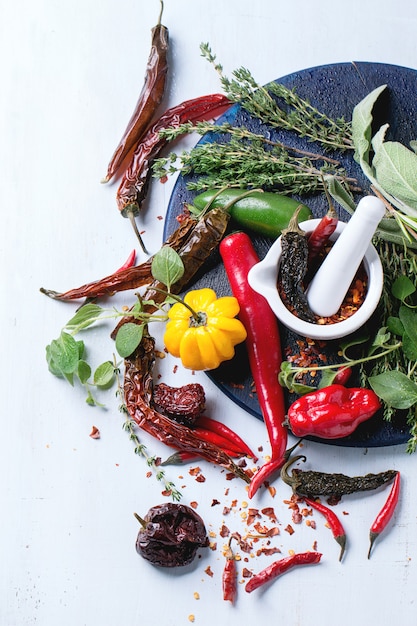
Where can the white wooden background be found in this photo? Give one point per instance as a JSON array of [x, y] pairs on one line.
[[70, 75]]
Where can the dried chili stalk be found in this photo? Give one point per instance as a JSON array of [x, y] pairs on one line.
[[138, 387]]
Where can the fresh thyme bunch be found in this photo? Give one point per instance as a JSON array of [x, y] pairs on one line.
[[241, 157]]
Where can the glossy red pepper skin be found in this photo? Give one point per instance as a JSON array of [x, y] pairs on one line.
[[221, 429], [332, 412], [263, 347], [333, 521], [386, 513], [280, 567]]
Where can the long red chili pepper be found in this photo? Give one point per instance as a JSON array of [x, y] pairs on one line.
[[149, 99], [218, 440], [130, 262], [342, 376], [221, 429], [134, 183], [229, 576], [280, 567], [386, 513], [263, 347], [333, 521], [182, 456]]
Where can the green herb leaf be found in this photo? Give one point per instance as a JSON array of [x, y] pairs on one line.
[[167, 266], [84, 317], [395, 326], [362, 119], [395, 388], [83, 371], [402, 287], [64, 352], [128, 338], [104, 375]]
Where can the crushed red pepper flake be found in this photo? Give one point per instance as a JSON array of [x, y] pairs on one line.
[[95, 433], [246, 573], [289, 529], [224, 531], [194, 504], [215, 502], [209, 571]]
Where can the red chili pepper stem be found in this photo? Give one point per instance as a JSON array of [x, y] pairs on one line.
[[333, 521], [386, 513]]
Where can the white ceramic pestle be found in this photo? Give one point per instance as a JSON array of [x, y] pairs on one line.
[[332, 280]]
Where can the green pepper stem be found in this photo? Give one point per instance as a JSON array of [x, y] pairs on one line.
[[284, 470], [140, 520]]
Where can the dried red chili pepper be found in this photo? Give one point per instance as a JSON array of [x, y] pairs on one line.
[[229, 576], [386, 513], [137, 389], [333, 521], [332, 412], [263, 346], [149, 99], [183, 404], [230, 435], [133, 186], [170, 535], [280, 567]]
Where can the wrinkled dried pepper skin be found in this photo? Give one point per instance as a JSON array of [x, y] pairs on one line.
[[138, 388], [172, 535], [293, 269]]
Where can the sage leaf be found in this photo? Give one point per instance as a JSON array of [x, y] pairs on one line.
[[128, 338], [167, 266], [104, 375], [362, 119], [340, 194], [395, 169], [395, 388]]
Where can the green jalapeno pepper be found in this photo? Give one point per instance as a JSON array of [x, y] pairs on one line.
[[263, 212]]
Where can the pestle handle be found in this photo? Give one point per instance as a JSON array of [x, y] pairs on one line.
[[329, 286]]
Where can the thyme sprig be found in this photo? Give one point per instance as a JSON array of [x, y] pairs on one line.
[[266, 102], [129, 426]]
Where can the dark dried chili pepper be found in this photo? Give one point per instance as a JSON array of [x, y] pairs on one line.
[[194, 240], [263, 347], [170, 535], [137, 387], [333, 521], [183, 404], [386, 513], [149, 99], [293, 268], [229, 576], [280, 567], [134, 184], [312, 484]]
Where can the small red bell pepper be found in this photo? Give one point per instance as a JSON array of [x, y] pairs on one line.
[[332, 412]]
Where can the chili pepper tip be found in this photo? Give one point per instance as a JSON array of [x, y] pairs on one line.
[[372, 538], [341, 540]]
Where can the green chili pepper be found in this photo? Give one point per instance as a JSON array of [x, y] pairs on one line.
[[263, 212]]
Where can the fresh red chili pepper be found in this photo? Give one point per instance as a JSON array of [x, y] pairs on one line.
[[333, 521], [342, 376], [134, 183], [217, 440], [280, 567], [221, 429], [130, 262], [386, 513], [332, 412], [149, 99], [263, 346], [229, 577], [322, 232]]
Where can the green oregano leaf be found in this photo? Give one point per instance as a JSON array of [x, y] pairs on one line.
[[64, 353], [395, 388], [167, 266], [402, 287], [104, 375], [83, 371], [128, 338], [84, 317]]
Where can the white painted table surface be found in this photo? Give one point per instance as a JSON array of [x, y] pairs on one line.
[[71, 73]]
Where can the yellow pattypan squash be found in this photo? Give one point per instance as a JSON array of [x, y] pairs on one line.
[[205, 334]]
